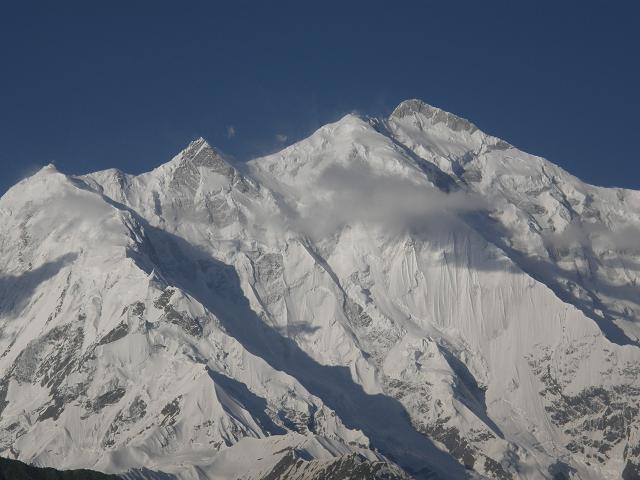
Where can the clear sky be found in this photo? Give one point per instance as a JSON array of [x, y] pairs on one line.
[[127, 84]]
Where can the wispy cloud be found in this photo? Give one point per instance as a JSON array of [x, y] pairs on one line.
[[281, 137], [231, 131], [345, 195], [596, 235]]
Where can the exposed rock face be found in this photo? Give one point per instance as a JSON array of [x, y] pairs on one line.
[[349, 467], [433, 115], [389, 298]]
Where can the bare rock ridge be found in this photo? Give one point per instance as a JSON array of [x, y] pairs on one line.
[[391, 298], [433, 114]]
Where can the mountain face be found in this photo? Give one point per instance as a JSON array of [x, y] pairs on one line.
[[392, 298]]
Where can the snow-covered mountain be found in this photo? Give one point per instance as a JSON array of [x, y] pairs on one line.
[[387, 298]]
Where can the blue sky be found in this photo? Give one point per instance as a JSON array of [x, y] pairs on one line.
[[92, 85]]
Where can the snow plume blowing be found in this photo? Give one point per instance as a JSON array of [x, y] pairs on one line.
[[342, 196]]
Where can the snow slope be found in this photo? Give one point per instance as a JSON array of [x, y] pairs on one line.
[[406, 292]]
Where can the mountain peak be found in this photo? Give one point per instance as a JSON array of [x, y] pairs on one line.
[[200, 142], [196, 146], [434, 114], [47, 169], [201, 154], [196, 162]]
